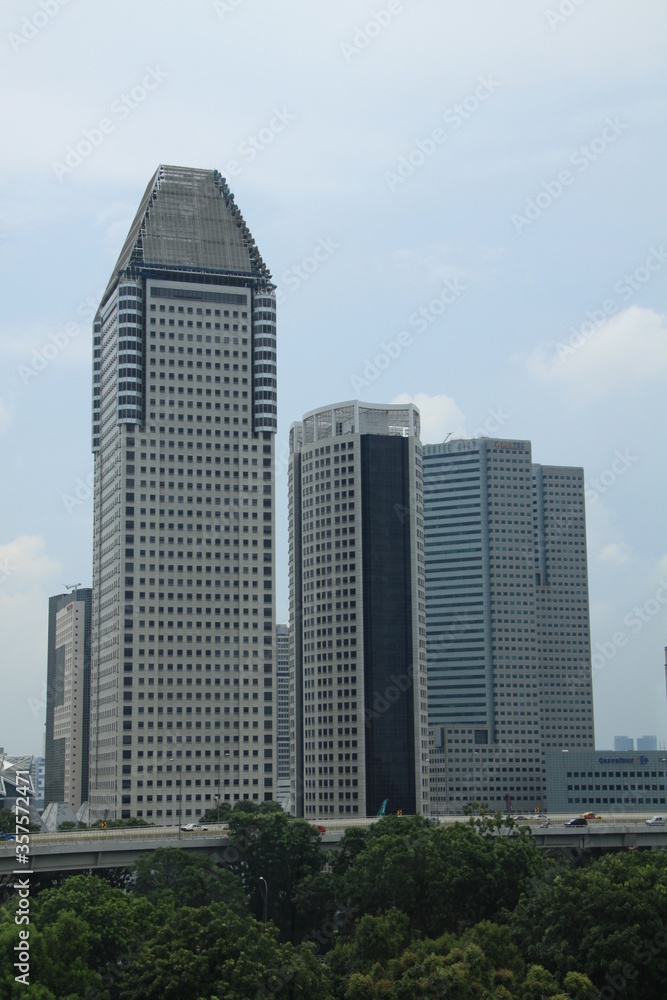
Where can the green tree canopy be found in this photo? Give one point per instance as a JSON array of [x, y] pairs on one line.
[[212, 952], [606, 919], [186, 878], [442, 878], [279, 849]]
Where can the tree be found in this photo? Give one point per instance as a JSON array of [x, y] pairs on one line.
[[213, 952], [79, 932], [442, 878], [606, 920], [187, 879], [280, 849]]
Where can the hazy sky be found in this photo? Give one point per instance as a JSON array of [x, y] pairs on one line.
[[462, 204]]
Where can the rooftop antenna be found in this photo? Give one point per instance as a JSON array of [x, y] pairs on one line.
[[447, 438], [72, 586]]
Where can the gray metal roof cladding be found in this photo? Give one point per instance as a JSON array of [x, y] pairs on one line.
[[188, 217]]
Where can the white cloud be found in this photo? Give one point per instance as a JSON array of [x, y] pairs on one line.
[[629, 348], [24, 561], [5, 417], [440, 415], [615, 553]]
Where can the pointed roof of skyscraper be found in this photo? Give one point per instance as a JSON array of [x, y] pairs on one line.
[[188, 219]]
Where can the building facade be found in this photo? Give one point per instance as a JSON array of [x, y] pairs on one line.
[[67, 734], [606, 781], [184, 419], [509, 663], [71, 713], [358, 697], [282, 680]]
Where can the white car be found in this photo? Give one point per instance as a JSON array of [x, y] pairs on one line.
[[656, 821], [194, 827]]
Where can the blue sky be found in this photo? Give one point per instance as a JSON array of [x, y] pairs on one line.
[[461, 204]]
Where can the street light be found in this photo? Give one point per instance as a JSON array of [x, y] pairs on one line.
[[265, 894], [219, 795], [178, 768]]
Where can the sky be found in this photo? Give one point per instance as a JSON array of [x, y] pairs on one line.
[[461, 204]]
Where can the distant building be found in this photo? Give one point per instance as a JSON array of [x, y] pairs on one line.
[[358, 699], [509, 659], [647, 742], [624, 743], [606, 781], [15, 780], [37, 773], [66, 758]]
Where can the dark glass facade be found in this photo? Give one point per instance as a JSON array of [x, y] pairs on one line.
[[387, 624]]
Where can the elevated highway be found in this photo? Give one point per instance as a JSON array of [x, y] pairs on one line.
[[92, 849]]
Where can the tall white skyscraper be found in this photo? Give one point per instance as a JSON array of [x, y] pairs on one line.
[[184, 417], [509, 662], [358, 698]]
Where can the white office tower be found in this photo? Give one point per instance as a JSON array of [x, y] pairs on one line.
[[358, 697], [184, 417], [509, 662]]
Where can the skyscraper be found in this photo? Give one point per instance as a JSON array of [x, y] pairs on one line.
[[184, 417], [509, 663], [66, 743], [358, 698]]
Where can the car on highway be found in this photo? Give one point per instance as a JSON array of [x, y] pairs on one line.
[[656, 821], [576, 821], [194, 827], [590, 815]]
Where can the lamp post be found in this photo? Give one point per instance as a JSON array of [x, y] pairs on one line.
[[219, 793], [178, 768], [265, 894]]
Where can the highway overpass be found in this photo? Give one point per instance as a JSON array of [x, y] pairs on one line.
[[84, 849]]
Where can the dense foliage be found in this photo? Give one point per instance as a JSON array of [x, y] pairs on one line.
[[404, 909]]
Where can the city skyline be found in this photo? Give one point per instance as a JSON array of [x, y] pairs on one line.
[[470, 220]]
